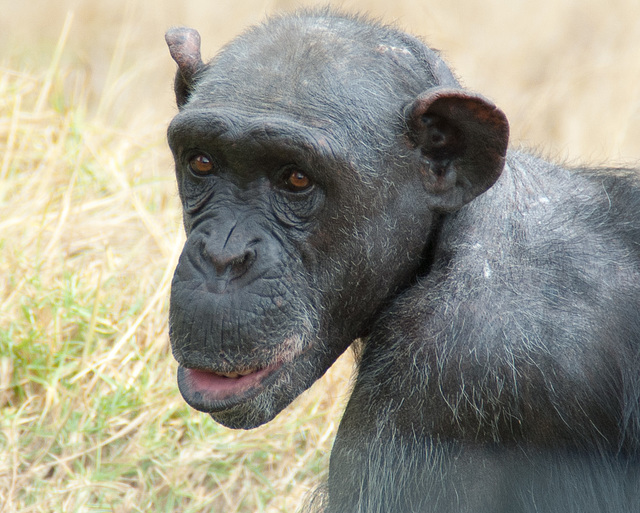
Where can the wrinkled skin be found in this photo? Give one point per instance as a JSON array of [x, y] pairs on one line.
[[338, 183]]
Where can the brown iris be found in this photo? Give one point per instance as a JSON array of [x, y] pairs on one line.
[[201, 164], [297, 181]]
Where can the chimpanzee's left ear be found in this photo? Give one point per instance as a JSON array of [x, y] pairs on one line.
[[463, 140], [184, 46]]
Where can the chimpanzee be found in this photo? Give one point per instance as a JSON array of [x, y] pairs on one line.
[[338, 184]]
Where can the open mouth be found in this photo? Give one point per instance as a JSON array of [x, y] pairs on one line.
[[210, 391]]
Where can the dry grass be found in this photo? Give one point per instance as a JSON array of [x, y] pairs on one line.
[[90, 231]]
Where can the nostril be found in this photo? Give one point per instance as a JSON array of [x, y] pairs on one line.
[[242, 264]]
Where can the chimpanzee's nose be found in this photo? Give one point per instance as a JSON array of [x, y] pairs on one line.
[[231, 263], [232, 252]]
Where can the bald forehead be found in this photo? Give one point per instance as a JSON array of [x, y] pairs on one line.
[[316, 61], [330, 40]]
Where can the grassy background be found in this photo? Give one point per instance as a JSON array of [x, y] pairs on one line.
[[90, 416]]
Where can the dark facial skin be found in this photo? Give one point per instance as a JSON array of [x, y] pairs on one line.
[[259, 285]]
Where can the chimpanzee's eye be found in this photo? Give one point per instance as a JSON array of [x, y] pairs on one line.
[[201, 164], [296, 181]]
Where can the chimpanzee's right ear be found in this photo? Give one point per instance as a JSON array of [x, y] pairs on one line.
[[184, 46]]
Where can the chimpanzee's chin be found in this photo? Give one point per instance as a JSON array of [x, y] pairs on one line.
[[245, 416]]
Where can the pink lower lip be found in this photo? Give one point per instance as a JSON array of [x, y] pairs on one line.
[[215, 387]]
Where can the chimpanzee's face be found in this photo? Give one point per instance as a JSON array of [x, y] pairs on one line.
[[291, 248]]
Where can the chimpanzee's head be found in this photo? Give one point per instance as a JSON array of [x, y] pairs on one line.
[[314, 156]]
